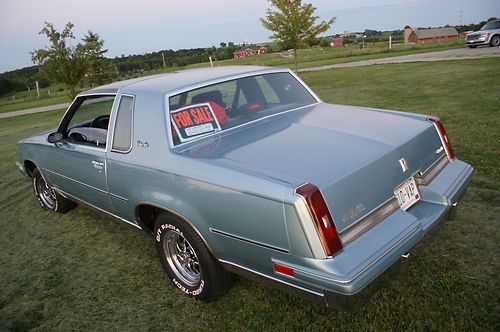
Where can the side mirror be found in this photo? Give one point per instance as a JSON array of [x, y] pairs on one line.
[[55, 137]]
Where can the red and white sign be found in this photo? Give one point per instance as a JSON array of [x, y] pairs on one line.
[[193, 121]]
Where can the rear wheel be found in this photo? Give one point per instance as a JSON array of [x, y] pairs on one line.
[[47, 197], [495, 40], [187, 261]]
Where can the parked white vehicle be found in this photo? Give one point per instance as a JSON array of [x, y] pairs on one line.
[[489, 34]]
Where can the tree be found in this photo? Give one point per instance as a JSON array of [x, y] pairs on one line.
[[324, 42], [99, 69], [223, 45], [61, 62], [294, 24]]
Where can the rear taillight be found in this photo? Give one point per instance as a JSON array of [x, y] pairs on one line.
[[321, 217], [442, 135]]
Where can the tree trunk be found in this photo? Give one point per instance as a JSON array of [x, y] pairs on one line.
[[72, 91], [296, 60]]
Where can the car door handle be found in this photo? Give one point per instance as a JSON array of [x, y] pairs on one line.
[[97, 164]]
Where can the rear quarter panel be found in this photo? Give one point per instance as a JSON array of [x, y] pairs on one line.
[[206, 195]]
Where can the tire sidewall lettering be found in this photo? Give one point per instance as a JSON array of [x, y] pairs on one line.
[[159, 231], [184, 289]]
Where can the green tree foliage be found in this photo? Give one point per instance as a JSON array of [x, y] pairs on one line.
[[64, 63], [294, 24], [100, 70]]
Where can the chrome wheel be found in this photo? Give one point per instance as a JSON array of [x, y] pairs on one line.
[[495, 41], [46, 194], [181, 258]]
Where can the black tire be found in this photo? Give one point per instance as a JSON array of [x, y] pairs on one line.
[[495, 40], [472, 46], [47, 197], [188, 262]]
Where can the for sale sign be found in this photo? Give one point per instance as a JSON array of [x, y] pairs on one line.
[[193, 121]]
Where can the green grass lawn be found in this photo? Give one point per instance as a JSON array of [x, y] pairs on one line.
[[314, 57], [307, 58], [85, 271], [26, 104]]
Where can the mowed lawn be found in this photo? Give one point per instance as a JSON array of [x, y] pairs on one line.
[[307, 58], [85, 271]]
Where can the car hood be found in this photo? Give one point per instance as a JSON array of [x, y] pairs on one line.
[[482, 31]]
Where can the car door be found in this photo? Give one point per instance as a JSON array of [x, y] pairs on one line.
[[77, 164]]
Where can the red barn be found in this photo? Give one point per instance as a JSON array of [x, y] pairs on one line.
[[429, 35], [245, 53], [336, 42]]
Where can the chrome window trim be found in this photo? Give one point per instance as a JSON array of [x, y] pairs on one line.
[[247, 240], [131, 127], [97, 208], [87, 95], [227, 79]]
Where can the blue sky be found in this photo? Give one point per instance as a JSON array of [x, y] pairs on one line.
[[136, 27]]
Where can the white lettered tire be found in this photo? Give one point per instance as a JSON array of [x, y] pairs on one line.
[[188, 262]]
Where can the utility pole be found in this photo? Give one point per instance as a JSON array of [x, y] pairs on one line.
[[211, 63], [37, 90], [390, 42], [164, 65]]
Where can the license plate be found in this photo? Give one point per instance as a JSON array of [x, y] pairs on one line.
[[407, 194]]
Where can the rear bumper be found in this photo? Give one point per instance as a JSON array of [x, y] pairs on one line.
[[374, 252]]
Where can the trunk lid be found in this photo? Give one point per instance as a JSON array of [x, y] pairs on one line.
[[352, 154]]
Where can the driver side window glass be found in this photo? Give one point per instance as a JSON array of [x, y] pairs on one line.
[[89, 123]]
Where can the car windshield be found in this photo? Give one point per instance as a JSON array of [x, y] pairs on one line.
[[221, 106], [491, 25]]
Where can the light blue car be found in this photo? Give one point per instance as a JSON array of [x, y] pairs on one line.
[[245, 170]]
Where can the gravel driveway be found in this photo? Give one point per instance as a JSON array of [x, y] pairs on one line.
[[455, 54]]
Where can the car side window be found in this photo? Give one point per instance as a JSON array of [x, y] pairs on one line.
[[122, 139], [88, 123]]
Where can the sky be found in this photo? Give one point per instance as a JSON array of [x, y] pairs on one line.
[[141, 26]]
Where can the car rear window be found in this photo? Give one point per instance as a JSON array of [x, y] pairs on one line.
[[213, 108]]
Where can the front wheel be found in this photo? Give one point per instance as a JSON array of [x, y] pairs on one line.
[[187, 261], [495, 40], [47, 197]]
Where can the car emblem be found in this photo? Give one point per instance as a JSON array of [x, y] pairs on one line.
[[403, 164]]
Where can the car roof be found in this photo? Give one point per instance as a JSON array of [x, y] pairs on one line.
[[169, 82]]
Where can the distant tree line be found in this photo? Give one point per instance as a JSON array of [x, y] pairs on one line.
[[179, 58], [103, 70], [118, 67]]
